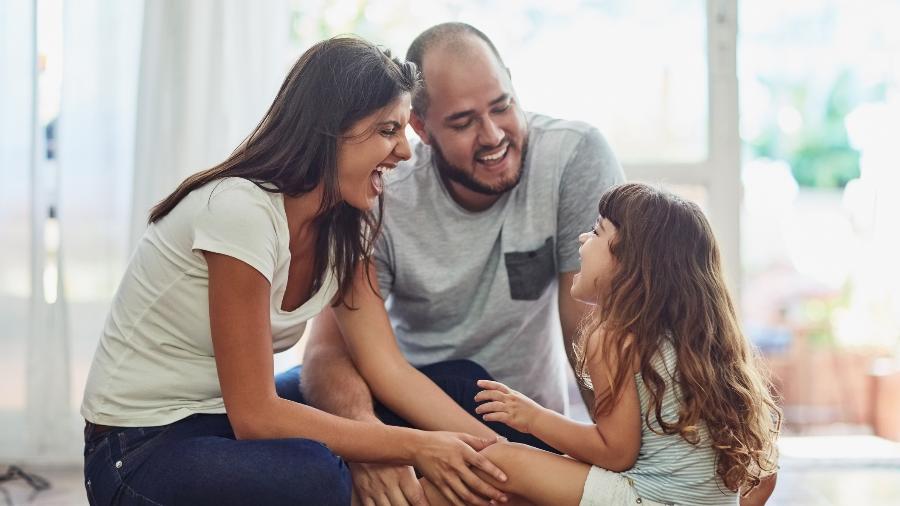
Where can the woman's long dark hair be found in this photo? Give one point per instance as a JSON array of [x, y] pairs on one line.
[[669, 282], [334, 84]]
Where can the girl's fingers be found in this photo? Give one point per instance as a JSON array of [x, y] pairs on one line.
[[489, 395], [493, 385], [490, 407]]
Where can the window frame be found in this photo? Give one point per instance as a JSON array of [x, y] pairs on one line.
[[720, 173]]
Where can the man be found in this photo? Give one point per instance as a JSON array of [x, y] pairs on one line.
[[475, 260]]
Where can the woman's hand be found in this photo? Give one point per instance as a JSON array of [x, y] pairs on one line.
[[505, 405], [445, 459]]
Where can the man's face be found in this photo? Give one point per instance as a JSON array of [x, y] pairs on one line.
[[473, 122]]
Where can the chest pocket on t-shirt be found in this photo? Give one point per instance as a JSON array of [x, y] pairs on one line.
[[530, 272]]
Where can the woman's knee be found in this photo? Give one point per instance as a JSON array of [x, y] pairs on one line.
[[276, 472], [316, 476]]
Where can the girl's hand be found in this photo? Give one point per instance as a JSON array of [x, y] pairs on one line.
[[446, 459], [505, 405]]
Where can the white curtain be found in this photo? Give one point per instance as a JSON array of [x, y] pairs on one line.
[[209, 70], [16, 133], [150, 92], [101, 49]]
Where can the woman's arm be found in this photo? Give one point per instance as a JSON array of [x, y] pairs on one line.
[[241, 333], [373, 347], [612, 442], [239, 320]]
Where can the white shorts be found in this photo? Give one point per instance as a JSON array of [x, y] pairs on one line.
[[602, 488]]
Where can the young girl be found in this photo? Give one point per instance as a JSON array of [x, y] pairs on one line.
[[682, 413]]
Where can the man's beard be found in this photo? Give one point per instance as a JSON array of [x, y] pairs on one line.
[[467, 179]]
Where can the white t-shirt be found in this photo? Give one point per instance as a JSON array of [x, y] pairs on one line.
[[154, 364]]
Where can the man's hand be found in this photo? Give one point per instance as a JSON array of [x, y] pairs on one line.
[[505, 405], [386, 485]]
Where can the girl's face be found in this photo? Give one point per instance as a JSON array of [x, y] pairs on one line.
[[373, 146], [598, 265]]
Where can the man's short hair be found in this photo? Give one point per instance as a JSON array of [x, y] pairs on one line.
[[443, 34]]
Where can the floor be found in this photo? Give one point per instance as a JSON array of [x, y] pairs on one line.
[[815, 471]]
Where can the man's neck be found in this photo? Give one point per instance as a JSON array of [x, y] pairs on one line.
[[468, 199]]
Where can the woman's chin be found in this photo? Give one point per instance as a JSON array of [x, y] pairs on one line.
[[368, 202]]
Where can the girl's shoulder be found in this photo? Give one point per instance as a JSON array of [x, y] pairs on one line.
[[605, 349]]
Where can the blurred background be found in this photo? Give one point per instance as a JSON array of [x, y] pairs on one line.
[[781, 119]]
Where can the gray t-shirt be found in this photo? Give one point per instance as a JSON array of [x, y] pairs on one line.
[[483, 285]]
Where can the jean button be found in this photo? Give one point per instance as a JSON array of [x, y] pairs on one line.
[[118, 464]]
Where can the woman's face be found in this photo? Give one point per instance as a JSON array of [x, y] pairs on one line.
[[598, 265], [372, 146]]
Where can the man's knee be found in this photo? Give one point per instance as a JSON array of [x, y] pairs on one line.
[[287, 384], [462, 368]]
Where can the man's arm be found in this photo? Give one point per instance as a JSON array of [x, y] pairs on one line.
[[326, 364], [570, 313], [330, 381], [373, 349], [591, 170]]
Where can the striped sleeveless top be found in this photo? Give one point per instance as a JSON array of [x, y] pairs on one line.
[[669, 469]]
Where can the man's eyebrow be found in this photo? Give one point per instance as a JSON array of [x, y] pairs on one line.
[[469, 112], [501, 98], [459, 115]]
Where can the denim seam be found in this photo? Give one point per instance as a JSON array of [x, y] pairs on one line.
[[107, 457], [140, 450], [90, 492], [137, 495], [123, 443], [127, 487]]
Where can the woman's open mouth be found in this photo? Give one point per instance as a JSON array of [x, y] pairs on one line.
[[377, 177]]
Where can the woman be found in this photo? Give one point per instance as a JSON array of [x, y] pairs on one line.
[[180, 404]]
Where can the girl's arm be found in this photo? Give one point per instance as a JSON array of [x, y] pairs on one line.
[[611, 443], [241, 333]]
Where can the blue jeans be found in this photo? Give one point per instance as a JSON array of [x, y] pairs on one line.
[[198, 461], [455, 377]]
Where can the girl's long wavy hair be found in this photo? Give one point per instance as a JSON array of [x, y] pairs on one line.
[[669, 282], [294, 148]]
